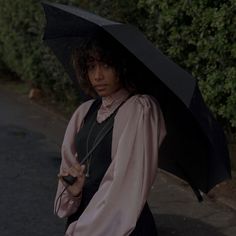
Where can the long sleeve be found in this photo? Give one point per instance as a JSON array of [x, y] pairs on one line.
[[138, 132], [68, 204]]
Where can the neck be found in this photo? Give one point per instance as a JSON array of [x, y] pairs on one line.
[[110, 103]]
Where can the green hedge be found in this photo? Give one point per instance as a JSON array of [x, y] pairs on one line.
[[23, 51], [198, 34]]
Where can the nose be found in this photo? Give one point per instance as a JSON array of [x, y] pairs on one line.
[[98, 74]]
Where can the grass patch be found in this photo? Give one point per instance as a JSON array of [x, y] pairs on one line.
[[16, 86], [12, 82]]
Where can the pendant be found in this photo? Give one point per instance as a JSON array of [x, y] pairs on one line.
[[87, 173], [87, 168]]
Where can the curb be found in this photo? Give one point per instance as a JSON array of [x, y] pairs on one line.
[[223, 193]]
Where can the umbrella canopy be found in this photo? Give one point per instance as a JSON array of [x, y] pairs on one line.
[[195, 148]]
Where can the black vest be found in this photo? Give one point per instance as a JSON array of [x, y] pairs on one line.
[[100, 158]]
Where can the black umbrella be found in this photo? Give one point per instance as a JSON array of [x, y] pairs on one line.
[[195, 148]]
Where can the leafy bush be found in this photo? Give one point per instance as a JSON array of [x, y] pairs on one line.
[[23, 51], [200, 36]]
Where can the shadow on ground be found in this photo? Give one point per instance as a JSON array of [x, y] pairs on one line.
[[28, 169], [177, 225]]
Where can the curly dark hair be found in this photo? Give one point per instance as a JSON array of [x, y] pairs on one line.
[[109, 52]]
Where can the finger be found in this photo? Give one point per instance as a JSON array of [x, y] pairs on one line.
[[63, 172], [82, 169], [77, 166], [62, 181], [73, 171], [60, 175]]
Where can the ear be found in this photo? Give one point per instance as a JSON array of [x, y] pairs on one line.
[[118, 80]]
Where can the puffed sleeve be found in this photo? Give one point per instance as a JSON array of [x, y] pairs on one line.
[[66, 204], [138, 132]]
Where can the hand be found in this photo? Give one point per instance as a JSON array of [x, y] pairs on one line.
[[76, 171]]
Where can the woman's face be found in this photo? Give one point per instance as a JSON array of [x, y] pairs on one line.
[[103, 78]]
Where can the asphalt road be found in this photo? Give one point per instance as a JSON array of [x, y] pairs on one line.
[[30, 141]]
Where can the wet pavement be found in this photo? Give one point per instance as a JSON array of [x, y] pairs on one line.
[[30, 140]]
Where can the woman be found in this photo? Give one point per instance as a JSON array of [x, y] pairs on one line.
[[111, 189]]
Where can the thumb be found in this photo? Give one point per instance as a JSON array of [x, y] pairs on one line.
[[63, 173], [83, 167]]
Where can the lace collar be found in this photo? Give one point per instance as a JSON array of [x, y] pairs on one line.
[[110, 103]]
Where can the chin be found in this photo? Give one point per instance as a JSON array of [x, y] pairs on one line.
[[103, 94], [106, 93]]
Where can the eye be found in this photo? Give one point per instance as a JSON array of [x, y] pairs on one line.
[[90, 66], [105, 65]]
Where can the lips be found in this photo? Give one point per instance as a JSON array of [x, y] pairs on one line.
[[100, 87]]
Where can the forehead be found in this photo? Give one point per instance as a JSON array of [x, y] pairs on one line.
[[93, 57], [99, 59]]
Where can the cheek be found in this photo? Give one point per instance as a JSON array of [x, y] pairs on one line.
[[90, 78], [115, 78], [117, 81]]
